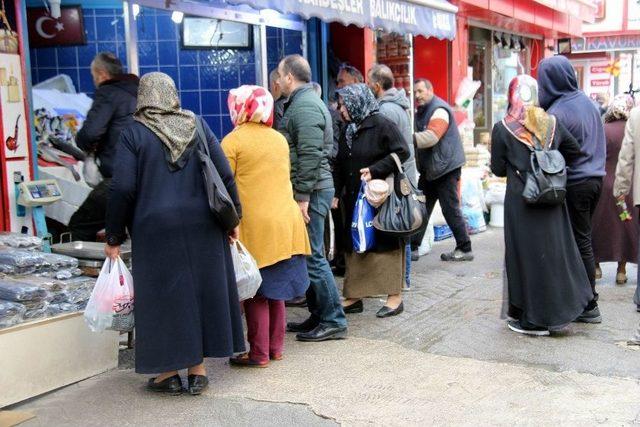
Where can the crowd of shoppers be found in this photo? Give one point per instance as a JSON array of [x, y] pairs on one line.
[[291, 160]]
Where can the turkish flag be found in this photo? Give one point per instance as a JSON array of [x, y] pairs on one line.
[[45, 31]]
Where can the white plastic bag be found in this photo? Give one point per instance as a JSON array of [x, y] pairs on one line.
[[248, 278], [427, 241], [91, 172], [110, 306]]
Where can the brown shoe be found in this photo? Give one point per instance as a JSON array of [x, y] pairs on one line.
[[276, 356], [243, 360]]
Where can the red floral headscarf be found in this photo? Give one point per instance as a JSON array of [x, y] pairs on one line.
[[524, 119], [250, 104]]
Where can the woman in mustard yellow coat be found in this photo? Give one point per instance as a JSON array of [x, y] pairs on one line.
[[272, 227]]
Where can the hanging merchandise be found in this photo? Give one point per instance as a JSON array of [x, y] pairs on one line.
[[3, 76], [8, 37], [13, 89]]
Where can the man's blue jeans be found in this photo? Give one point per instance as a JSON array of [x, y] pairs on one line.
[[323, 299]]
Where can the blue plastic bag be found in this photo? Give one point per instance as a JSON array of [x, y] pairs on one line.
[[362, 231]]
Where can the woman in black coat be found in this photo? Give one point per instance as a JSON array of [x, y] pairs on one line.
[[186, 300], [547, 283], [364, 153]]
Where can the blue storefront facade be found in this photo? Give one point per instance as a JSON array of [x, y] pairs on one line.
[[203, 76], [151, 41]]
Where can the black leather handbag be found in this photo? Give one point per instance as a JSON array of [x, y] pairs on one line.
[[220, 202], [546, 183], [404, 212]]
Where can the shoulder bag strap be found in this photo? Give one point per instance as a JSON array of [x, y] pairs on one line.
[[396, 158], [202, 143]]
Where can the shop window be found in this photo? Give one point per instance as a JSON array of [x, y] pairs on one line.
[[509, 60], [478, 64]]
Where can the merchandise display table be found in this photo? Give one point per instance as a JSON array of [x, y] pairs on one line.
[[43, 355]]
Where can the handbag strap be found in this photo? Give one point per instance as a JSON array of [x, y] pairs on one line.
[[202, 143], [396, 159]]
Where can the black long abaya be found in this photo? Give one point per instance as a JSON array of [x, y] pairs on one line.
[[547, 283]]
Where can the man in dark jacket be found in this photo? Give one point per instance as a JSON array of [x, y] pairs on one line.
[[111, 112], [560, 96], [279, 99], [307, 126], [440, 159]]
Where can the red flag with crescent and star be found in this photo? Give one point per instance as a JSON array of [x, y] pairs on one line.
[[46, 31]]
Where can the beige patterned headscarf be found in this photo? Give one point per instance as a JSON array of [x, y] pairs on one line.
[[159, 110]]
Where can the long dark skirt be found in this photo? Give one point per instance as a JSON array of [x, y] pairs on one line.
[[547, 282]]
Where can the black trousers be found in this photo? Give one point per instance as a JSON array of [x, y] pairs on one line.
[[90, 216], [582, 199], [445, 190]]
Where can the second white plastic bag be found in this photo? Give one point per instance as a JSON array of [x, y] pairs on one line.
[[248, 276]]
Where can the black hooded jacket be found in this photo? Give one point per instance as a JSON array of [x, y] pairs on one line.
[[559, 95], [111, 112]]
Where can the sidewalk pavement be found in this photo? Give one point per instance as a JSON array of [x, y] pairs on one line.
[[448, 360]]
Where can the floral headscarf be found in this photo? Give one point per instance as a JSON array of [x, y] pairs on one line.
[[360, 104], [159, 109], [524, 119], [250, 104], [619, 108]]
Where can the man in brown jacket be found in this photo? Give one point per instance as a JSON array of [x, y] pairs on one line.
[[628, 170]]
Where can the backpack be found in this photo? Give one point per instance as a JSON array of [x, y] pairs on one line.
[[546, 183]]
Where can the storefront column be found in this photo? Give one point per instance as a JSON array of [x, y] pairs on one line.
[[131, 38], [459, 55]]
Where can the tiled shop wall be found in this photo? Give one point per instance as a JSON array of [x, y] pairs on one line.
[[203, 77], [105, 32]]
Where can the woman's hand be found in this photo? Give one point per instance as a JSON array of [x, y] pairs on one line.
[[234, 235], [365, 174], [334, 203], [112, 252]]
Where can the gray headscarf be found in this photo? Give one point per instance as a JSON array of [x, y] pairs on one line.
[[360, 104], [159, 110]]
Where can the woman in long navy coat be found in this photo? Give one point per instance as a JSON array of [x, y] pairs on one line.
[[186, 300]]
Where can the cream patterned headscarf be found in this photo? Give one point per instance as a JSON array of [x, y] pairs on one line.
[[159, 110]]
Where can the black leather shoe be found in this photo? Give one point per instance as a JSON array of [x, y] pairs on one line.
[[305, 326], [356, 307], [323, 333], [388, 311], [296, 302], [197, 384], [171, 385]]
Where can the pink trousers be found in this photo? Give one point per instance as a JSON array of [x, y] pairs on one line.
[[266, 323]]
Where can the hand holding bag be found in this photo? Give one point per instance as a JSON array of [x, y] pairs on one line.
[[248, 278], [220, 202], [110, 306], [404, 211]]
